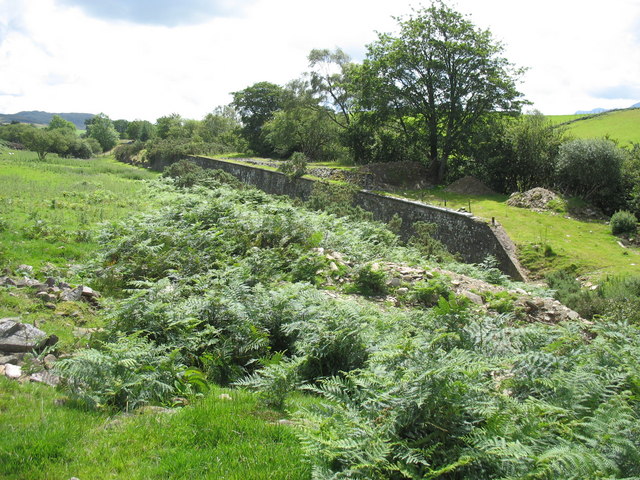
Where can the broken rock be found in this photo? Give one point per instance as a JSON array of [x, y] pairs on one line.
[[22, 337]]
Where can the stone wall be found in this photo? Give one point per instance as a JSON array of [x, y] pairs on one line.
[[462, 233]]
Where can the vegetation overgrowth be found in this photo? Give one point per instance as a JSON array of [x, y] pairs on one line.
[[219, 285]]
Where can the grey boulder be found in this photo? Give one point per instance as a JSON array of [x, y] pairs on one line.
[[18, 337]]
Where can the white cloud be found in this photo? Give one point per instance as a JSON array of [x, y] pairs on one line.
[[58, 58]]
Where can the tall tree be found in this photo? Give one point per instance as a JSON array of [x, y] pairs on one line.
[[256, 105], [59, 123], [101, 128], [121, 127], [142, 130], [437, 78], [168, 125], [332, 83]]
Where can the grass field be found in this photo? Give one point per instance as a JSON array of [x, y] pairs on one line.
[[620, 125], [50, 211], [216, 438], [547, 240]]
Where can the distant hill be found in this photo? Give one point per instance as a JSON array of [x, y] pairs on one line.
[[43, 118], [601, 110], [587, 112]]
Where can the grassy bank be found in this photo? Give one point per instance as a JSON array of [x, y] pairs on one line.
[[546, 240], [622, 126]]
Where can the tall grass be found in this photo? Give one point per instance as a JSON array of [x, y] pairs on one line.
[[49, 211]]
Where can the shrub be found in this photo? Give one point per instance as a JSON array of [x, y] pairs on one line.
[[336, 198], [125, 153], [624, 222], [185, 172], [370, 280], [427, 293], [124, 374], [423, 240], [592, 168], [296, 166]]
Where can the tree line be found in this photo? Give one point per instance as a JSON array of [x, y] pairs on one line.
[[438, 91]]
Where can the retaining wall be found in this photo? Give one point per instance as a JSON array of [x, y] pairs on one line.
[[462, 233]]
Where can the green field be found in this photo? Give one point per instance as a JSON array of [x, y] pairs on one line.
[[50, 211], [619, 125]]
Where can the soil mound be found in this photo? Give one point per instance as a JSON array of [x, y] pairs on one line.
[[469, 186], [537, 199]]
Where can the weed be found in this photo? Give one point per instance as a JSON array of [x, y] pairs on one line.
[[428, 293], [370, 280]]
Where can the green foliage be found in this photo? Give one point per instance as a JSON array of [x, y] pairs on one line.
[[59, 123], [101, 128], [303, 128], [522, 152], [275, 381], [336, 198], [140, 130], [256, 105], [592, 168], [491, 272], [127, 152], [413, 80], [501, 302], [623, 222], [482, 400], [124, 374], [296, 166], [631, 179], [423, 239], [428, 293], [404, 393], [370, 280], [58, 138]]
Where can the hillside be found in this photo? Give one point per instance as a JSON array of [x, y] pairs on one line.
[[620, 125], [43, 118]]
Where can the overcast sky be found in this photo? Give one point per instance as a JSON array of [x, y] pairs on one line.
[[148, 58]]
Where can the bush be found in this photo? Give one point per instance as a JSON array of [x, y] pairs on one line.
[[427, 293], [126, 152], [592, 169], [295, 167], [125, 374], [624, 222], [184, 172], [370, 280], [423, 240]]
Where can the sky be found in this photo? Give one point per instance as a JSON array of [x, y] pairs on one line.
[[143, 59]]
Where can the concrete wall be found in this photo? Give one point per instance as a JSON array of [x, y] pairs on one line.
[[462, 233]]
